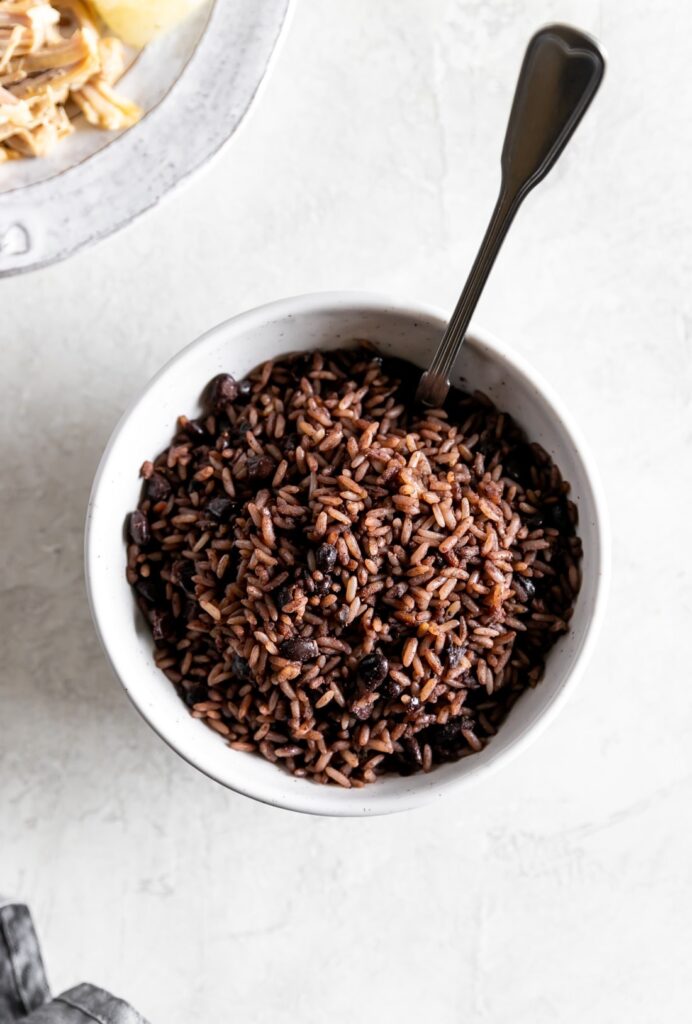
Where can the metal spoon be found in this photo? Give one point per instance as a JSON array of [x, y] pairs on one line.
[[561, 73]]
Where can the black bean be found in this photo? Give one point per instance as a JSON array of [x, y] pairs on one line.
[[322, 586], [196, 430], [396, 631], [487, 446], [233, 562], [412, 751], [244, 390], [158, 488], [194, 694], [557, 515], [373, 669], [260, 467], [221, 391], [240, 668], [455, 652], [405, 375], [160, 624], [445, 738], [345, 358], [392, 688], [182, 572], [535, 522], [240, 430], [295, 648], [149, 589], [449, 732], [223, 509], [326, 557], [525, 588], [458, 401], [302, 364], [139, 528], [290, 443], [518, 463]]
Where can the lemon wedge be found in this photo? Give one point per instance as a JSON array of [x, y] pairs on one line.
[[136, 22]]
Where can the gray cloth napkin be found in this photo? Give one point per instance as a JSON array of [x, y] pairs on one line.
[[85, 1004], [23, 982], [24, 992]]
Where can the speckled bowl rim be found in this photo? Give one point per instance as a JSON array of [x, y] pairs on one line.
[[305, 796], [54, 218]]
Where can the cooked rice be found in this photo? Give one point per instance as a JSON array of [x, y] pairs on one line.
[[343, 583]]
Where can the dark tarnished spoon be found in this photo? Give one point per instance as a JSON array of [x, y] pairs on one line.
[[559, 77]]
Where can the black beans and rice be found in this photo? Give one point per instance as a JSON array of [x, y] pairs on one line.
[[343, 583]]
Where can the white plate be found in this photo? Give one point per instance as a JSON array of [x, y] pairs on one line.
[[195, 84]]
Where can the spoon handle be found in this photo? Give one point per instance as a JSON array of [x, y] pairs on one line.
[[560, 74]]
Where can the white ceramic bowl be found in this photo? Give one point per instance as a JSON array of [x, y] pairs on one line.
[[194, 84], [326, 321]]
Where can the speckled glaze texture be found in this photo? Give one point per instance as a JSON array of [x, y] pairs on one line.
[[558, 891], [50, 220]]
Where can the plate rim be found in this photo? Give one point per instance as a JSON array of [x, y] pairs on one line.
[[44, 223]]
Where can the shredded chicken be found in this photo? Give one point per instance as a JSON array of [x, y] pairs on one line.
[[54, 64]]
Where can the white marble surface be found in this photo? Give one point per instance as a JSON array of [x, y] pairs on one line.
[[558, 891]]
